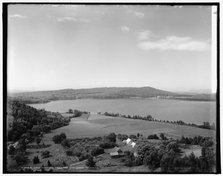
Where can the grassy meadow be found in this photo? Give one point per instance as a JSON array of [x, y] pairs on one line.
[[99, 125]]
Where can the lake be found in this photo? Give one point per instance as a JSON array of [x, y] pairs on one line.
[[164, 109]]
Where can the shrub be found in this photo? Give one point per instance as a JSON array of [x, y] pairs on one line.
[[49, 163], [162, 136], [64, 163], [36, 160], [59, 138], [46, 154], [65, 143], [107, 145], [132, 136], [11, 150], [90, 162], [20, 158], [69, 153], [153, 136], [111, 137], [38, 140], [138, 161], [97, 151], [122, 137], [83, 157]]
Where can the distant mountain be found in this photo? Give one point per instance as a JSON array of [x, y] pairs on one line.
[[102, 93], [99, 93]]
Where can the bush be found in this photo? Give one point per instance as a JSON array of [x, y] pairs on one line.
[[20, 158], [49, 163], [132, 136], [90, 162], [38, 140], [64, 163], [111, 137], [162, 136], [57, 139], [65, 143], [36, 160], [138, 161], [46, 154], [153, 136], [122, 137], [83, 157], [11, 150], [97, 151], [69, 153], [107, 145]]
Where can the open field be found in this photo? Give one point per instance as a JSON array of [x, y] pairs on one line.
[[99, 125]]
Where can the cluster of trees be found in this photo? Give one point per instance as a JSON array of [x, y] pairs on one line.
[[197, 140], [31, 122], [77, 113], [168, 157], [109, 141], [57, 139], [206, 125], [28, 125], [83, 148]]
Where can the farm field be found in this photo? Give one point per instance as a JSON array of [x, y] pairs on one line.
[[100, 125]]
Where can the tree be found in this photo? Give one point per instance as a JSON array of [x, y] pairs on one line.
[[49, 163], [65, 143], [162, 136], [64, 163], [70, 111], [111, 137], [36, 160], [38, 140], [97, 151], [20, 158], [152, 159], [46, 154], [59, 138], [90, 162], [11, 150]]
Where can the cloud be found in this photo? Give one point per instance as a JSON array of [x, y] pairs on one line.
[[143, 35], [72, 19], [175, 43], [62, 19], [125, 29], [139, 14], [17, 16]]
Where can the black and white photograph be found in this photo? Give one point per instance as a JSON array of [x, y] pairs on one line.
[[111, 88]]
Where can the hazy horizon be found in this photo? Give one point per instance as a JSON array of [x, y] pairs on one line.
[[52, 47], [198, 91]]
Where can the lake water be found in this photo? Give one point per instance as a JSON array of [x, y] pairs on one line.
[[164, 109]]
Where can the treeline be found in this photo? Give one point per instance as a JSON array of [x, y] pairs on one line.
[[197, 140], [77, 113], [206, 125]]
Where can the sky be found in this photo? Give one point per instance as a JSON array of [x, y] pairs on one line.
[[54, 47]]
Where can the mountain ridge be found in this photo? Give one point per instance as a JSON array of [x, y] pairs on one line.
[[100, 93]]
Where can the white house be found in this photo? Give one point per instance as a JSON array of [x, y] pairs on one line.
[[133, 144], [128, 141]]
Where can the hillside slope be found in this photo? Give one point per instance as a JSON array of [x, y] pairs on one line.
[[111, 92]]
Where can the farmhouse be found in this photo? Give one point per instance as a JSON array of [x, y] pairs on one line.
[[129, 142], [116, 152]]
